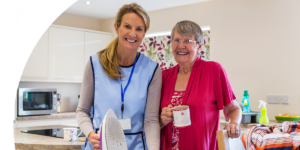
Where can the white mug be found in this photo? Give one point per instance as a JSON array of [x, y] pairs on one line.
[[70, 134], [181, 116]]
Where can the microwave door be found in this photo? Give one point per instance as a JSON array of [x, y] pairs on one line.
[[37, 101]]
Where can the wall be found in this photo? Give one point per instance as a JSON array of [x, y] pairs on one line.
[[257, 42], [78, 22], [73, 21], [107, 25]]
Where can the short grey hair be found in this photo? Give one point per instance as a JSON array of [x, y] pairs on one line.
[[188, 28]]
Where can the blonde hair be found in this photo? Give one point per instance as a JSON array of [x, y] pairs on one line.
[[108, 56]]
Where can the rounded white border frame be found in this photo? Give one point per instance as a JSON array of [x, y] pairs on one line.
[[23, 22]]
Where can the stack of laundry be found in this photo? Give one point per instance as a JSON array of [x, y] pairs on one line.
[[279, 137]]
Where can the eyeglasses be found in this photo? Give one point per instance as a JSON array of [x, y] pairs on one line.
[[185, 41]]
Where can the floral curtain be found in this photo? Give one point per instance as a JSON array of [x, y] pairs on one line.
[[159, 49]]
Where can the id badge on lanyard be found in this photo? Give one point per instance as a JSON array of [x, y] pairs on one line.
[[126, 123]]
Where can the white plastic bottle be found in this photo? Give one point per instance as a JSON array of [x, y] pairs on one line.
[[58, 104]]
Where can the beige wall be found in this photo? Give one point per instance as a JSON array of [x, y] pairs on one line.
[[73, 21], [107, 25], [257, 42], [78, 22]]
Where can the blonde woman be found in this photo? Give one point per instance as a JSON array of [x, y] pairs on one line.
[[124, 80]]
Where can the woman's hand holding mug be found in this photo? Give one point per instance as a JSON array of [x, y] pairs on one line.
[[94, 140], [166, 115]]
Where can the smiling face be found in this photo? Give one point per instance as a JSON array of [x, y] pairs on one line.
[[131, 32], [185, 54]]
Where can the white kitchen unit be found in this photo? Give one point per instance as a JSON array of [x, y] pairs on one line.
[[65, 118], [62, 53], [37, 64], [94, 42], [46, 122], [33, 123], [66, 53]]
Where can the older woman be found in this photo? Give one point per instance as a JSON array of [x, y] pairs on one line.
[[124, 80], [203, 86]]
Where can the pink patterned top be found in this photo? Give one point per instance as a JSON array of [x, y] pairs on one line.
[[176, 100]]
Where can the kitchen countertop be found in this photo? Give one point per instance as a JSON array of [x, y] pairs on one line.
[[52, 116], [223, 123], [27, 141]]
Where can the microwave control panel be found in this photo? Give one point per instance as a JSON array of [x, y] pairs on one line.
[[55, 103]]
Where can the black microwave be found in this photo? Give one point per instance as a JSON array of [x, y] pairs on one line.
[[32, 102]]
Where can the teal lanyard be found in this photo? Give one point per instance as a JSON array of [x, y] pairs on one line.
[[123, 92]]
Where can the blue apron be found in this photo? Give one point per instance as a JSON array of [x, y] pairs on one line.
[[107, 95]]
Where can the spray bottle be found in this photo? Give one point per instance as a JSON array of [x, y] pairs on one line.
[[264, 117]]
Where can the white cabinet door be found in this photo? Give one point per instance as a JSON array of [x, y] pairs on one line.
[[95, 42], [37, 64], [66, 53]]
